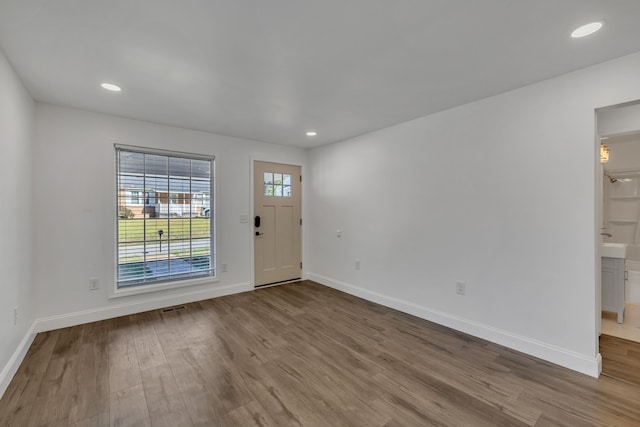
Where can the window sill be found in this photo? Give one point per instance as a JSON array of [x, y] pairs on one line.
[[157, 287]]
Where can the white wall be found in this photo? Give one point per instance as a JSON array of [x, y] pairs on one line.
[[619, 119], [16, 123], [500, 193], [74, 209]]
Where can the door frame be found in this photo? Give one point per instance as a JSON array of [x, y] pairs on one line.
[[598, 218], [599, 215], [274, 159]]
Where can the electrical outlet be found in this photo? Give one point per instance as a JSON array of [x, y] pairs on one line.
[[461, 288], [357, 264], [94, 284], [225, 268], [338, 233], [15, 315]]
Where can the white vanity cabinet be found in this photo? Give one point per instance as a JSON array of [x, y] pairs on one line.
[[613, 286]]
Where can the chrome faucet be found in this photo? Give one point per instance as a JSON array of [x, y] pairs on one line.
[[606, 234]]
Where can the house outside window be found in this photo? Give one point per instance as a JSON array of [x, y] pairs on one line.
[[135, 197], [149, 198]]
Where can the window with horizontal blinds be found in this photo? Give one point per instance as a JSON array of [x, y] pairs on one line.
[[164, 216]]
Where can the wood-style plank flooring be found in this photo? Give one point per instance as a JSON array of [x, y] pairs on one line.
[[620, 359], [296, 355]]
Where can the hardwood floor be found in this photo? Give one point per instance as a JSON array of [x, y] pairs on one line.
[[620, 358], [296, 355]]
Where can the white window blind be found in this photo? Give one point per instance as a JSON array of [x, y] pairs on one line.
[[170, 236]]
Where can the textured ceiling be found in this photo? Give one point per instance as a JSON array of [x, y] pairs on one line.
[[270, 70]]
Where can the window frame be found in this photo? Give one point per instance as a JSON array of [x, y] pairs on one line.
[[172, 283]]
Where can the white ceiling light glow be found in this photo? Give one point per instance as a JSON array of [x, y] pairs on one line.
[[111, 87], [586, 29], [311, 133]]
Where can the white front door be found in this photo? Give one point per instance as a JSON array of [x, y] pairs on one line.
[[277, 223]]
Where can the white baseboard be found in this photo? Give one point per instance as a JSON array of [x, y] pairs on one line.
[[569, 359], [96, 314], [13, 364]]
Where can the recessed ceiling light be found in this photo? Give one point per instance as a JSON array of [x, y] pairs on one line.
[[586, 29], [111, 87], [312, 133]]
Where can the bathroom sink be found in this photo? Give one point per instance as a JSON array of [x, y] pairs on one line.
[[613, 250]]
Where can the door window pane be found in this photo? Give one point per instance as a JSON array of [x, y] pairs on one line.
[[277, 184]]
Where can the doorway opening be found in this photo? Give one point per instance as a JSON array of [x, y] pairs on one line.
[[618, 137]]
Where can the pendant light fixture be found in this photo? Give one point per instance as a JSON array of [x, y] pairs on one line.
[[604, 153]]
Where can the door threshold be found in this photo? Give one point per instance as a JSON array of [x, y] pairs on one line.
[[282, 282]]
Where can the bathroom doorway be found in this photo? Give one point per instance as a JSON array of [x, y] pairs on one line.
[[621, 225], [619, 211]]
